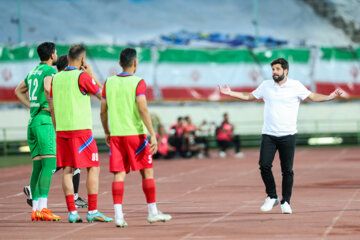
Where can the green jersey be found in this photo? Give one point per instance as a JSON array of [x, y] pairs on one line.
[[35, 83]]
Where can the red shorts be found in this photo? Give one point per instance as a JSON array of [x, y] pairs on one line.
[[129, 151], [76, 150]]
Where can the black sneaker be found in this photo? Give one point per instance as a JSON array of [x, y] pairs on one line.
[[79, 203], [28, 195]]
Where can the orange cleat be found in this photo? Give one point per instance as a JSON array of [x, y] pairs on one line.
[[48, 216], [36, 215]]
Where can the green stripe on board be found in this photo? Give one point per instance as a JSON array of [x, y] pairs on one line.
[[93, 51], [342, 54], [231, 56]]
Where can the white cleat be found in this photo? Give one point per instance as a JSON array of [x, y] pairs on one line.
[[120, 222], [269, 204], [239, 155], [285, 208], [160, 217]]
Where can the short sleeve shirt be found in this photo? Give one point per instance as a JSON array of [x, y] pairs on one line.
[[281, 105], [140, 89], [86, 85]]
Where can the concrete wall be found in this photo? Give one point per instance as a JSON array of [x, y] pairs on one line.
[[247, 117]]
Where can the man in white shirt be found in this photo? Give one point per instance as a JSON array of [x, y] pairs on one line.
[[282, 97]]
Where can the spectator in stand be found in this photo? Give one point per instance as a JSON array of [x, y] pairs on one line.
[[176, 138], [225, 138], [165, 150], [203, 132], [190, 145]]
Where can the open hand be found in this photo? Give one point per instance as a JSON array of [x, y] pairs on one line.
[[107, 139], [153, 144], [338, 93], [87, 68], [224, 90]]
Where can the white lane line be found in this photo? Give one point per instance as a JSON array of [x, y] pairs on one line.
[[14, 195], [336, 218], [12, 216], [75, 230], [190, 235]]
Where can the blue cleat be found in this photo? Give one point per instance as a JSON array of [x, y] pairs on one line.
[[74, 218], [97, 217]]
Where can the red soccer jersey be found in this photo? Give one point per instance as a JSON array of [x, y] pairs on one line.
[[86, 84]]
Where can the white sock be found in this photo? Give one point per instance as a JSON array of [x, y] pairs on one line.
[[93, 211], [74, 212], [118, 211], [35, 204], [152, 209], [75, 196], [42, 203]]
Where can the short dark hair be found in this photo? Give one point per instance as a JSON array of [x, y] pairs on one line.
[[45, 50], [76, 51], [282, 61], [62, 63], [127, 57]]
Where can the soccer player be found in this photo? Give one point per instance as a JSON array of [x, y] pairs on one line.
[[124, 103], [76, 147], [61, 63], [41, 134], [282, 97]]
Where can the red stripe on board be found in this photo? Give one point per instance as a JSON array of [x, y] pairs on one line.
[[198, 93], [353, 89], [8, 95]]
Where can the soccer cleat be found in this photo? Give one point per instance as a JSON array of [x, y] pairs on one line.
[[27, 192], [160, 217], [285, 208], [269, 204], [79, 203], [97, 217], [49, 216], [36, 215], [120, 222], [75, 218]]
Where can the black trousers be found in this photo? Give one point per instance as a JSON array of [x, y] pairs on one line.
[[234, 142], [286, 147]]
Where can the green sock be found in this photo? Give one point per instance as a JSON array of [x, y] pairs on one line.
[[48, 169], [34, 179]]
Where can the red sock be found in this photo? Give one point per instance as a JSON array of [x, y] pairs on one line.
[[149, 190], [70, 202], [118, 192], [92, 202]]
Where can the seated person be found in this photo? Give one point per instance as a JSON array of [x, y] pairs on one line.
[[190, 144], [225, 138], [165, 150], [176, 138], [202, 133]]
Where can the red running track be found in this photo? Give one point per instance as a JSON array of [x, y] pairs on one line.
[[208, 198]]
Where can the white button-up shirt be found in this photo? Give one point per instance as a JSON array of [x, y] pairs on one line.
[[281, 105]]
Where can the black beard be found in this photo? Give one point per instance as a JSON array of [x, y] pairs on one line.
[[280, 78]]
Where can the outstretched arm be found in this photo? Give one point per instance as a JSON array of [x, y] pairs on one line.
[[316, 97], [245, 96]]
